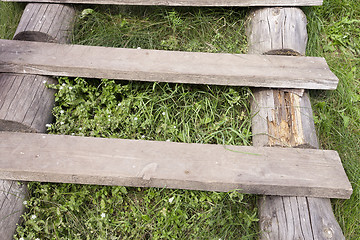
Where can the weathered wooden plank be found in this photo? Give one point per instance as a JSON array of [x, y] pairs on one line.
[[285, 119], [218, 3], [69, 159], [25, 102], [165, 66]]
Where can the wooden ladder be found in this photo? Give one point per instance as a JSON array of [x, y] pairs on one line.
[[284, 116]]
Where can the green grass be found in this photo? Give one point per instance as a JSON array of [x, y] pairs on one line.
[[10, 15], [334, 33], [181, 29], [186, 113], [152, 111], [68, 211]]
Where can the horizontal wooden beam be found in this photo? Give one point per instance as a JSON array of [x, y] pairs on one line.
[[165, 66], [239, 3], [257, 170]]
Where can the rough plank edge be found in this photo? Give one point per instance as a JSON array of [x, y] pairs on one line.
[[235, 3], [259, 189]]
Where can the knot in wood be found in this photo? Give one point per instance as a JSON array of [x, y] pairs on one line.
[[328, 233], [276, 11]]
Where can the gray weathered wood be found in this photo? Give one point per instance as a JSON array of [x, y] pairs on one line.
[[12, 195], [45, 23], [240, 3], [165, 66], [283, 210], [323, 222], [285, 119], [272, 171], [25, 103], [277, 29], [298, 218]]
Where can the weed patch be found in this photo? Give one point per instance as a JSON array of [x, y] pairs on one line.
[[10, 14], [68, 211]]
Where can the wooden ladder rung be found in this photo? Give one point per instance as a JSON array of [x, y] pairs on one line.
[[165, 66], [137, 163]]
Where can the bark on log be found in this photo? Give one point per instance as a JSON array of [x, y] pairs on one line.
[[25, 102], [284, 118]]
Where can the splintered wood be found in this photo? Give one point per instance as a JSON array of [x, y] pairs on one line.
[[271, 171], [282, 119]]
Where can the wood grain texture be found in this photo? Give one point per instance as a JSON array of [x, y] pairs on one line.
[[165, 66], [136, 163], [284, 218], [284, 118], [25, 102], [12, 195], [240, 3], [277, 29], [45, 23]]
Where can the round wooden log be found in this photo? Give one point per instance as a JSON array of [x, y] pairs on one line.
[[45, 23], [278, 31], [25, 101], [12, 196], [284, 118]]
